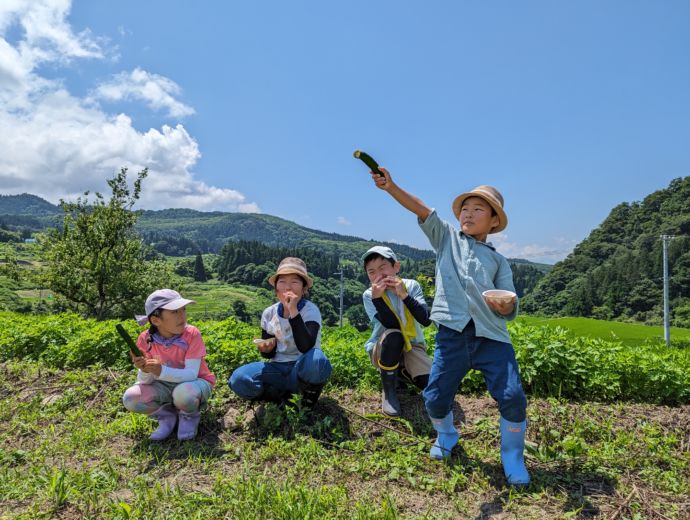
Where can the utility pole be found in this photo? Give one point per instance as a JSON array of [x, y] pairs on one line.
[[665, 239], [342, 290]]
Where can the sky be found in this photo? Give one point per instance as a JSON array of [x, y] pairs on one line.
[[568, 108]]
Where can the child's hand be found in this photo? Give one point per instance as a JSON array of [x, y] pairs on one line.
[[138, 361], [501, 308], [152, 366], [398, 286], [290, 301], [378, 287], [383, 182], [265, 345]]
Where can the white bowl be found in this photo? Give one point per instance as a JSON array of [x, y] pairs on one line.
[[499, 295]]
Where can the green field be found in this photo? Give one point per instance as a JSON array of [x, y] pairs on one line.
[[628, 333], [215, 298]]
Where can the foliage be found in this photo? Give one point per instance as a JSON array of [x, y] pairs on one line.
[[96, 262], [552, 361], [616, 272], [357, 317], [199, 269]]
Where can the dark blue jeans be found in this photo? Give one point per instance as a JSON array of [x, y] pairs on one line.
[[248, 381], [458, 352]]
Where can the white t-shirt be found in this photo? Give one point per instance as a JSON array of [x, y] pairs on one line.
[[276, 325]]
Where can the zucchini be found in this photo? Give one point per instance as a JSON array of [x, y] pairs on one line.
[[368, 160], [128, 341]]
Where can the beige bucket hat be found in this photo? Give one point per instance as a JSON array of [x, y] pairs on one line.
[[492, 196], [292, 265]]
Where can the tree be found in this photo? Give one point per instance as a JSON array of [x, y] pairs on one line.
[[239, 309], [199, 270], [96, 262], [357, 317]]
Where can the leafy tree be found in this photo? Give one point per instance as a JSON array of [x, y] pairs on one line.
[[357, 317], [10, 266], [199, 270], [239, 309], [97, 262]]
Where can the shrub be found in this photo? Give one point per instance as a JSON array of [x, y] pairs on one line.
[[552, 361]]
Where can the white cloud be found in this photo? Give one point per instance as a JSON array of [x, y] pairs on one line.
[[57, 145], [547, 253], [343, 221], [157, 91]]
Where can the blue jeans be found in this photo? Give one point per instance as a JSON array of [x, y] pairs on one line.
[[458, 352], [249, 381]]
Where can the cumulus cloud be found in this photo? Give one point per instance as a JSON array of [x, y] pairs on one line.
[[343, 221], [157, 91], [58, 145]]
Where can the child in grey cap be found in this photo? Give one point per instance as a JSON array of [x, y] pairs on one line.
[[173, 380], [397, 311]]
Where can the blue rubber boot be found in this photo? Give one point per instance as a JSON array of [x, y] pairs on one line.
[[447, 437], [513, 452]]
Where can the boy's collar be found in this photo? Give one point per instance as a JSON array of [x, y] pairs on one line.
[[488, 244]]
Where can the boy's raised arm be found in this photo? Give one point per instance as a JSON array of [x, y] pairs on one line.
[[406, 200]]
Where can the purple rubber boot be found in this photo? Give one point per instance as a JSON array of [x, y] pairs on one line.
[[166, 416], [189, 423]]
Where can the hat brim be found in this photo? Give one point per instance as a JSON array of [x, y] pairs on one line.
[[176, 304], [310, 282], [502, 217]]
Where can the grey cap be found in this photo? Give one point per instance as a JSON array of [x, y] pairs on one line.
[[162, 299], [384, 251]]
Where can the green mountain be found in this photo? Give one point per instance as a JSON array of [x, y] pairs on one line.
[[211, 230], [617, 272], [27, 205], [184, 232]]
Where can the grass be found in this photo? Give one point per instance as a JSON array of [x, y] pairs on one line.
[[631, 334], [68, 449]]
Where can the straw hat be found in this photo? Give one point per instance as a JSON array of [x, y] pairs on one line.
[[492, 196], [292, 265]]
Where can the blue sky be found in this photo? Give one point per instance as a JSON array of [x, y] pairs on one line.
[[569, 108]]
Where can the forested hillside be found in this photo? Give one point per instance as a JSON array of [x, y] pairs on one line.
[[28, 205], [211, 230], [616, 272], [249, 247]]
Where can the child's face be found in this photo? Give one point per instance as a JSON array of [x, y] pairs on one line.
[[289, 283], [379, 268], [476, 218], [170, 323]]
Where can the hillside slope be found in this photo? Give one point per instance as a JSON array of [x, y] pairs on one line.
[[616, 272]]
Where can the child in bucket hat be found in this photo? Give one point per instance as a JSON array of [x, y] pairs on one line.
[[290, 342], [173, 380], [472, 330]]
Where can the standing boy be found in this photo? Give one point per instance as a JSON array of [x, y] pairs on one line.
[[397, 311], [472, 329]]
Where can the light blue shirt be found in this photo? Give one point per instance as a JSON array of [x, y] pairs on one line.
[[466, 267], [415, 291]]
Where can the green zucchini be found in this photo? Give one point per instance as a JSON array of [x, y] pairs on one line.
[[128, 340], [368, 160]]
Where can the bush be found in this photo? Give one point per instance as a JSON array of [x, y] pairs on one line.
[[552, 361]]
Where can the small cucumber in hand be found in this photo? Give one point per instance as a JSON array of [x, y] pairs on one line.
[[368, 160]]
